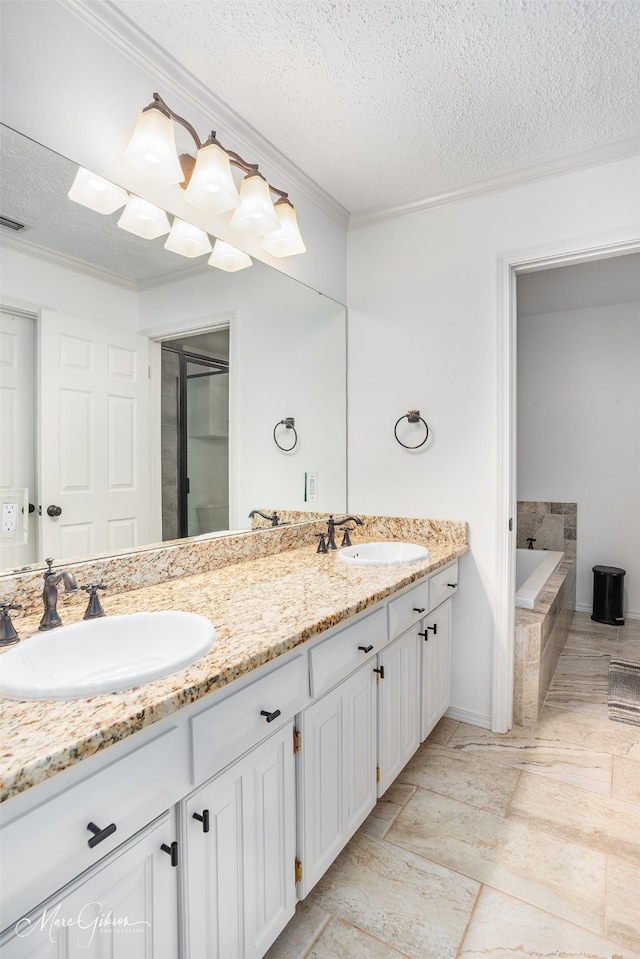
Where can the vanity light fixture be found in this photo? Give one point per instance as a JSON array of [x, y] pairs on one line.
[[98, 194], [144, 219], [285, 241], [226, 257], [187, 240], [207, 180]]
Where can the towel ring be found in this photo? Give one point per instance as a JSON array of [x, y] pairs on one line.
[[413, 416], [289, 423]]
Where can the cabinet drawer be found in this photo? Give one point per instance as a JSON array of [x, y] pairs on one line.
[[408, 609], [222, 733], [332, 661], [444, 584], [48, 846]]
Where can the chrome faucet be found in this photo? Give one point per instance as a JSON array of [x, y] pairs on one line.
[[273, 519], [50, 618], [331, 528]]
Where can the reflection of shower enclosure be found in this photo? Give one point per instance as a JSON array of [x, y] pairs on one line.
[[195, 436]]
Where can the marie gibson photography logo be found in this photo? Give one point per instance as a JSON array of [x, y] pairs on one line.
[[91, 920]]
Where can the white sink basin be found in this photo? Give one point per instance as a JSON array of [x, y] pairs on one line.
[[383, 554], [104, 655]]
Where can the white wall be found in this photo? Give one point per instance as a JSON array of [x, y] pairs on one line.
[[31, 283], [287, 359], [422, 333], [69, 87], [579, 432]]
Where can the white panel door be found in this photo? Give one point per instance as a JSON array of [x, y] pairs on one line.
[[94, 447], [398, 706], [17, 425]]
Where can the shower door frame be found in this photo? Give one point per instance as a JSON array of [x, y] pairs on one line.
[[560, 253]]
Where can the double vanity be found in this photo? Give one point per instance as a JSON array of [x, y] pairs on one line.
[[187, 816]]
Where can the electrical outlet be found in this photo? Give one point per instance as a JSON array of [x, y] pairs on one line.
[[9, 517], [311, 487]]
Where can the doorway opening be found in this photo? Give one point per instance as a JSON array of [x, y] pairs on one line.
[[195, 434]]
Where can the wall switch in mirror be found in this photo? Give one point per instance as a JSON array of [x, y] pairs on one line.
[[311, 487]]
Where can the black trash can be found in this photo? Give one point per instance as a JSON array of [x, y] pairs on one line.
[[608, 586]]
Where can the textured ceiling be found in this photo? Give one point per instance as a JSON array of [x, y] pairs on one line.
[[387, 103]]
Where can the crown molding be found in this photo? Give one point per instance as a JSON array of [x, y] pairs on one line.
[[122, 33], [570, 163], [68, 262]]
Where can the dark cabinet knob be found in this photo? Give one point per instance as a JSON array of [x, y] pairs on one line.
[[270, 716], [54, 511], [99, 834], [365, 649], [204, 819], [172, 851]]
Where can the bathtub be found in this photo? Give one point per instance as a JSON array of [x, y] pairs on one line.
[[533, 569]]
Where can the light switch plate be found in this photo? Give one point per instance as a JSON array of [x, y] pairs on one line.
[[311, 487]]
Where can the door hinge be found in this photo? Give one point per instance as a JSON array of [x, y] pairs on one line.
[[298, 870], [377, 774], [296, 740]]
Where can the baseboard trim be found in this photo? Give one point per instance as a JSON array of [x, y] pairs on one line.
[[628, 613], [467, 716]]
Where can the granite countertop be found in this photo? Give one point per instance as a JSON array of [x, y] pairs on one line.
[[261, 608]]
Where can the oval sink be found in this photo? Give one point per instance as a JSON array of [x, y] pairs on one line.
[[383, 554], [104, 655]]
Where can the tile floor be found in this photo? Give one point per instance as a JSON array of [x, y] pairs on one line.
[[499, 847]]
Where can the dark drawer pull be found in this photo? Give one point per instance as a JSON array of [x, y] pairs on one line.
[[204, 819], [453, 585], [270, 716], [380, 672], [99, 834], [365, 649], [419, 609], [172, 851], [426, 634]]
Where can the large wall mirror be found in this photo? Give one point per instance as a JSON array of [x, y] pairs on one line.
[[142, 393]]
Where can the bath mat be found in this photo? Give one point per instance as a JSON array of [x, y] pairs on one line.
[[624, 691]]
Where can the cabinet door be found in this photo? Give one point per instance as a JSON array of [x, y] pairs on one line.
[[337, 772], [125, 908], [398, 706], [239, 882], [435, 668]]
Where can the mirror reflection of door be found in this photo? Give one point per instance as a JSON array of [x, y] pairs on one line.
[[195, 434], [18, 435]]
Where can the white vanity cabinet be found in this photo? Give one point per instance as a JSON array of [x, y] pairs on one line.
[[435, 668], [238, 849], [398, 706], [125, 906]]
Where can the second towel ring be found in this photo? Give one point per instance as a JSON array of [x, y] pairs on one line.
[[413, 416], [289, 423]]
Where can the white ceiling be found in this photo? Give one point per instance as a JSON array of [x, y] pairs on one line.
[[385, 103]]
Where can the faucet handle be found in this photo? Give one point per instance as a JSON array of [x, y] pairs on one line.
[[322, 545], [346, 539], [94, 610], [8, 634]]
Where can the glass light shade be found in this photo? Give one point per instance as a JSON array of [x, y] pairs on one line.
[[287, 240], [226, 257], [152, 153], [211, 187], [187, 240], [98, 194], [255, 215], [144, 219]]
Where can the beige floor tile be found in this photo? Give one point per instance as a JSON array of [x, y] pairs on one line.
[[607, 825], [466, 777], [298, 935], [585, 729], [622, 914], [390, 804], [339, 940], [374, 827], [579, 765], [505, 928], [626, 779], [558, 876], [418, 907], [443, 731]]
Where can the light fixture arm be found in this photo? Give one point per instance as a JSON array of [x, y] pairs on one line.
[[234, 158]]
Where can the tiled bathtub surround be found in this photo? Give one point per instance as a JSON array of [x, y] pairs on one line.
[[553, 525], [122, 572], [540, 635]]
